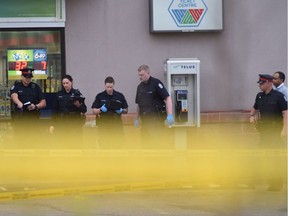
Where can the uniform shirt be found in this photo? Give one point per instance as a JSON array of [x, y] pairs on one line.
[[110, 116], [31, 93], [65, 103], [270, 106], [150, 96]]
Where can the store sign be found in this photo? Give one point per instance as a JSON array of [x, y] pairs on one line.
[[186, 15], [31, 58]]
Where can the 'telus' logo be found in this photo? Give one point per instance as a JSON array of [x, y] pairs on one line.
[[187, 13]]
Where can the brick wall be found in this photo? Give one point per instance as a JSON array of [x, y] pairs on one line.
[[205, 117]]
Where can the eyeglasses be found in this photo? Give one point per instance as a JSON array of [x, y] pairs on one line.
[[27, 77]]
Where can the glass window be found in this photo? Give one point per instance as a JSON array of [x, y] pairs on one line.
[[50, 40]]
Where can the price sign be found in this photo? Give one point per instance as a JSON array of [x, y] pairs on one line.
[[22, 58]]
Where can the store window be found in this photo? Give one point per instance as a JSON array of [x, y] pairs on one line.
[[17, 43]]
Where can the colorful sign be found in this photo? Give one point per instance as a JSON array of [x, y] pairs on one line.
[[31, 58], [187, 12], [186, 15]]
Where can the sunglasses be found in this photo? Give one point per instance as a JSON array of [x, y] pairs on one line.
[[27, 76]]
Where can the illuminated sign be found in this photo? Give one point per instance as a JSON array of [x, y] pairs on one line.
[[31, 58]]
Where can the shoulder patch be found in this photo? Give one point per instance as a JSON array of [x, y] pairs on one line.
[[12, 87], [160, 85]]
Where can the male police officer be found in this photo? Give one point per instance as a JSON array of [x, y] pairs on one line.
[[27, 96], [154, 105], [270, 108], [270, 114], [108, 106], [28, 99]]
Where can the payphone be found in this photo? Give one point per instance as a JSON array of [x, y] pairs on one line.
[[183, 84], [181, 105]]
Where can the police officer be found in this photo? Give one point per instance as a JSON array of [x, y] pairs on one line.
[[108, 107], [27, 96], [270, 114], [28, 100], [69, 111], [154, 105], [70, 103]]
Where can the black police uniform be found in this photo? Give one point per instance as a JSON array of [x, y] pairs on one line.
[[31, 93], [110, 123], [270, 124], [23, 119], [150, 98], [109, 118], [65, 108], [69, 119], [271, 106]]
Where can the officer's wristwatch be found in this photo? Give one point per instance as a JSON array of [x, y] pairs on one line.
[[36, 107]]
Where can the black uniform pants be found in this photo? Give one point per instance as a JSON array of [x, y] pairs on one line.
[[154, 134], [28, 132], [274, 160]]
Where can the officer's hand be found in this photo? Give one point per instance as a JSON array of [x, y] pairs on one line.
[[103, 108], [31, 107], [119, 111], [284, 133], [252, 120], [20, 105], [77, 103], [170, 119], [136, 122]]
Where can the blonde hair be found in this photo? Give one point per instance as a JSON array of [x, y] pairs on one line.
[[144, 67]]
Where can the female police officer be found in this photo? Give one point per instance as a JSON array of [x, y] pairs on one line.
[[69, 111]]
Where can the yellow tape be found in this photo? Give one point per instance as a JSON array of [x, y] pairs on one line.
[[145, 153], [88, 190]]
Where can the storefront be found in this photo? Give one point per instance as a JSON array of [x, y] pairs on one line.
[[28, 32]]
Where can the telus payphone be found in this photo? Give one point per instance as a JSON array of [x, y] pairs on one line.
[[181, 105], [182, 76]]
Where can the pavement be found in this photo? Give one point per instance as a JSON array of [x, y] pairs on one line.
[[182, 201]]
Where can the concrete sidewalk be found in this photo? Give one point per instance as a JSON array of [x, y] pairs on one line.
[[184, 202]]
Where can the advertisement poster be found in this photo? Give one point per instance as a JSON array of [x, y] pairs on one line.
[[31, 58]]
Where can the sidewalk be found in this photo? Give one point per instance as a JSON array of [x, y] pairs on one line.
[[173, 202]]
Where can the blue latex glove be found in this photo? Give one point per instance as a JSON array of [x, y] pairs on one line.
[[103, 108], [136, 122], [119, 111], [170, 119]]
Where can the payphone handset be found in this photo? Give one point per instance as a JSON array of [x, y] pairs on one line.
[[181, 105]]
